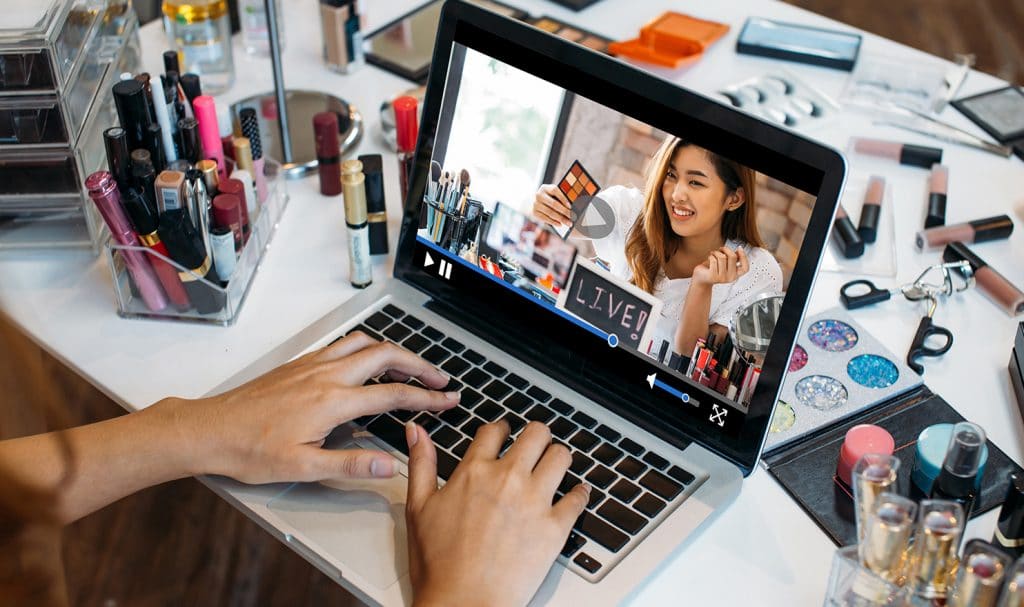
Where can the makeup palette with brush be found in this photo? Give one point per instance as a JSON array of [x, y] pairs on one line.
[[579, 189], [837, 368]]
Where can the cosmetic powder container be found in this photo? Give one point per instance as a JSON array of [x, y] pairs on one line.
[[861, 440]]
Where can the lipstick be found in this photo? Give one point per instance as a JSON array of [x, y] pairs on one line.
[[980, 577], [352, 180], [1013, 593], [145, 223], [250, 126], [186, 248], [245, 172], [328, 157], [938, 185], [222, 242], [1009, 533], [940, 525], [206, 115], [871, 211], [132, 111], [904, 153], [873, 474], [886, 535], [846, 236], [115, 140], [227, 214], [376, 213], [237, 187], [103, 192], [210, 178], [999, 227], [406, 130], [993, 284]]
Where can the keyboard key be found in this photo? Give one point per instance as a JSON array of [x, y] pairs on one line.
[[495, 369], [580, 463], [681, 475], [568, 482], [377, 321], [596, 497], [455, 416], [540, 413], [656, 460], [632, 447], [393, 311], [631, 468], [625, 491], [607, 454], [415, 343], [446, 436], [622, 517], [601, 477], [403, 415], [516, 382], [583, 440], [469, 428], [435, 354], [489, 410], [429, 422], [515, 423], [432, 334], [474, 357], [562, 428], [453, 345], [561, 406], [509, 441], [648, 505], [607, 433], [497, 389], [469, 398], [661, 485], [518, 402], [601, 532], [453, 385], [455, 366], [587, 562], [476, 378], [366, 330], [538, 394], [584, 420], [446, 465], [460, 449], [397, 332], [574, 543], [391, 431], [366, 419], [412, 322]]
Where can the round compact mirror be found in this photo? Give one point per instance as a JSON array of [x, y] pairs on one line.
[[753, 325]]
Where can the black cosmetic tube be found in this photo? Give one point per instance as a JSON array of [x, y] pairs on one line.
[[376, 212], [171, 61], [188, 140], [115, 141], [132, 111], [185, 245], [846, 235], [191, 86], [155, 147]]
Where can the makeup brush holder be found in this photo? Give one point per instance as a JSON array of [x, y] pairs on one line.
[[852, 585], [446, 228], [211, 303]]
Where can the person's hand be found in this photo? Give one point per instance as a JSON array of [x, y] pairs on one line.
[[724, 265], [272, 428], [490, 535], [551, 205]]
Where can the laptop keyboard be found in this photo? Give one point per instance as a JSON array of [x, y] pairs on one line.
[[631, 485]]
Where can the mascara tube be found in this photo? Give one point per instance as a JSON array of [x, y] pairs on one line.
[[186, 248], [353, 186], [376, 213]]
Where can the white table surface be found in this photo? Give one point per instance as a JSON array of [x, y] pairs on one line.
[[762, 549]]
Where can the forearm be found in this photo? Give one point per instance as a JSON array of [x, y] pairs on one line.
[[693, 322], [107, 460]]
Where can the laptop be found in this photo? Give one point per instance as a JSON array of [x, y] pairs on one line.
[[534, 327]]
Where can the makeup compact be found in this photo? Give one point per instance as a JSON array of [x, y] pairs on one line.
[[671, 40], [1016, 368], [579, 189], [781, 98], [999, 113]]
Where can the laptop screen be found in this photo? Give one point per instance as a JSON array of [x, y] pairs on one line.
[[616, 230]]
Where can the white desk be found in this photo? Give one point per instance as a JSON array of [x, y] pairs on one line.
[[763, 549]]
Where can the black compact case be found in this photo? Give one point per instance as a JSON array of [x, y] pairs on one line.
[[1016, 368], [1000, 113]]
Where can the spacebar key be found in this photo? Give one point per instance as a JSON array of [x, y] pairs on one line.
[[601, 532], [391, 431]]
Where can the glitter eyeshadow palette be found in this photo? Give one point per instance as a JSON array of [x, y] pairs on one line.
[[579, 189], [837, 369]]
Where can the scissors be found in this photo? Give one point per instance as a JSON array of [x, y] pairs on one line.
[[955, 277]]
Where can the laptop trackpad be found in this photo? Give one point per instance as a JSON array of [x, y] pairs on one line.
[[359, 523]]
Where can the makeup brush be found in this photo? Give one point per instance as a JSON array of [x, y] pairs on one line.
[[435, 178], [464, 191]]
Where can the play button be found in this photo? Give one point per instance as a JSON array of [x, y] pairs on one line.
[[427, 260]]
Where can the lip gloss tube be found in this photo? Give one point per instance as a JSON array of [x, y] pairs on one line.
[[904, 153], [993, 284], [352, 179], [938, 185], [999, 227], [328, 157], [209, 134], [103, 192], [145, 223], [847, 237], [871, 211], [406, 130]]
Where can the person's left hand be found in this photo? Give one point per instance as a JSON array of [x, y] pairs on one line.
[[272, 428], [724, 265]]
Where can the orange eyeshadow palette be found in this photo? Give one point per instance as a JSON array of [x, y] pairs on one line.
[[579, 189], [571, 33]]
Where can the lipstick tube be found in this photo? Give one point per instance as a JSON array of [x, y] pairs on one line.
[[886, 534], [993, 284], [250, 126], [186, 248], [188, 140], [115, 140], [237, 187], [209, 134], [870, 213], [980, 578], [999, 227], [352, 180], [1009, 533], [846, 235], [222, 243], [227, 214], [904, 153], [1013, 593], [103, 192], [872, 475], [145, 223], [934, 553], [244, 166], [132, 111], [210, 177], [938, 185], [328, 156], [406, 130], [376, 212]]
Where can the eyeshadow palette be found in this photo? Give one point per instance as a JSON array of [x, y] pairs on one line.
[[837, 369], [579, 189], [781, 98], [571, 33]]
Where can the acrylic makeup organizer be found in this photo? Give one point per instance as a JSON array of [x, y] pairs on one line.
[[250, 258], [58, 62]]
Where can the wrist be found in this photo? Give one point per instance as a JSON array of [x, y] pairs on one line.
[[699, 289], [182, 436]]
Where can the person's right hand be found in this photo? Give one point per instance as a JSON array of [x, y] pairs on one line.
[[490, 535], [551, 205]]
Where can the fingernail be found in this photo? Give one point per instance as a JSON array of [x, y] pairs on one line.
[[382, 468], [412, 435], [444, 375], [587, 487], [453, 396]]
